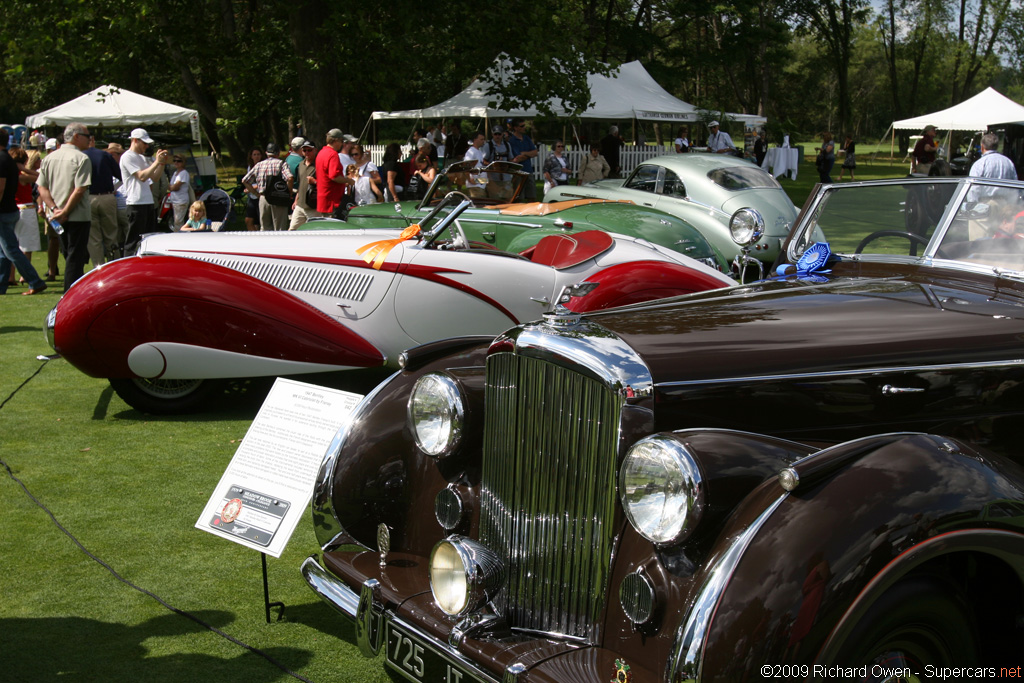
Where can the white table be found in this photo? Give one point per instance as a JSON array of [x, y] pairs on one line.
[[782, 161]]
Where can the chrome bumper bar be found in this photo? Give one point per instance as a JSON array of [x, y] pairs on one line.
[[364, 609], [330, 589]]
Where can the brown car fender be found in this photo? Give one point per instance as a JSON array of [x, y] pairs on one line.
[[373, 472], [801, 565]]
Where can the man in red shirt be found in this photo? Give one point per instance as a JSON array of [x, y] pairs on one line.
[[330, 176]]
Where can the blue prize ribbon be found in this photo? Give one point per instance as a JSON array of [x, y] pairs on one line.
[[812, 263]]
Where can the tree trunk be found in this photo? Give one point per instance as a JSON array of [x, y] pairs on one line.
[[319, 87]]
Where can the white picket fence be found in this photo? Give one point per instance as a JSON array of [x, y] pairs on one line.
[[629, 157]]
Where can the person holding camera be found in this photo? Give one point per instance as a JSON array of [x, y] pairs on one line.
[[137, 174]]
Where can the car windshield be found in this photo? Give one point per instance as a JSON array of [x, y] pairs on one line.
[[743, 177], [974, 222], [498, 183]]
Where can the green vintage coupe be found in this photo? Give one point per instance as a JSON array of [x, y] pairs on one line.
[[495, 221], [711, 192]]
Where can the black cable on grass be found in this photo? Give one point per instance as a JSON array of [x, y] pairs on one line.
[[113, 572]]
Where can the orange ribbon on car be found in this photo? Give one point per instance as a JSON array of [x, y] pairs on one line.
[[378, 251]]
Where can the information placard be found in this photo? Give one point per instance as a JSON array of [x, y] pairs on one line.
[[269, 482]]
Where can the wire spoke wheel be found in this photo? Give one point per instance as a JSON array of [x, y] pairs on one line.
[[166, 396]]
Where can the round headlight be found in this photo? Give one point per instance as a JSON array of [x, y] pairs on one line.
[[746, 226], [436, 414], [660, 489], [464, 575]]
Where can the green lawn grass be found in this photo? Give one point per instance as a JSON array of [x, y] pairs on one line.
[[130, 487]]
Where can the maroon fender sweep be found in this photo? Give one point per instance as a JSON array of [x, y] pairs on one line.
[[187, 301], [630, 283]]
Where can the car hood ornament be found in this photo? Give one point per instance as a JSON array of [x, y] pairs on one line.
[[560, 315]]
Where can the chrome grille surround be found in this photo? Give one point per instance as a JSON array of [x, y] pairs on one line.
[[551, 442]]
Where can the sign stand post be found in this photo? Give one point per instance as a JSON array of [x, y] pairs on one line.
[[269, 482], [266, 593]]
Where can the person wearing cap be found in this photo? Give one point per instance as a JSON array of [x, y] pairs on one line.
[[138, 174], [345, 153], [51, 145], [331, 180], [302, 208], [104, 235], [257, 182], [64, 180], [719, 142], [924, 151], [295, 157]]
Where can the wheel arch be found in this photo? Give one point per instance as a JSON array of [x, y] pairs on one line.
[[837, 542], [979, 563]]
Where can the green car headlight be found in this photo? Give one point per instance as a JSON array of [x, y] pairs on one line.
[[660, 489], [746, 226], [436, 414]]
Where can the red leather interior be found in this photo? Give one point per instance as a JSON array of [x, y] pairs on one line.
[[568, 250]]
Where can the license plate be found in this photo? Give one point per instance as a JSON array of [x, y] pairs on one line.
[[418, 661]]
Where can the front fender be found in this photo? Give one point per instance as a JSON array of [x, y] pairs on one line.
[[832, 544], [186, 301], [374, 473]]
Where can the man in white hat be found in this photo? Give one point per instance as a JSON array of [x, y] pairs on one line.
[[137, 174], [719, 142]]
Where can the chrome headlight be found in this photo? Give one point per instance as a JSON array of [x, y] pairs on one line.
[[436, 414], [660, 489], [49, 326], [464, 575], [746, 226]]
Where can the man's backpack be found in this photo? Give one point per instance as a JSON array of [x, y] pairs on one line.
[[276, 191]]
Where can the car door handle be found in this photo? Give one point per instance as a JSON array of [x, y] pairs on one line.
[[542, 300], [489, 236], [890, 390]]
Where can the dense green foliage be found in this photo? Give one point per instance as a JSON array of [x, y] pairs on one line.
[[254, 68]]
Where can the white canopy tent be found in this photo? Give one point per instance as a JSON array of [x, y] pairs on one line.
[[985, 109], [628, 92], [109, 105]]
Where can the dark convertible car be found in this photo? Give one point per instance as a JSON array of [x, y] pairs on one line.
[[813, 477]]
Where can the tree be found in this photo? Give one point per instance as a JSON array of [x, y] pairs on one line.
[[833, 22]]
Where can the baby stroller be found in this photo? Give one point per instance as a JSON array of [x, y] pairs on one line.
[[219, 208]]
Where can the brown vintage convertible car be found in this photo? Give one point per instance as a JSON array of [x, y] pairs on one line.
[[817, 476]]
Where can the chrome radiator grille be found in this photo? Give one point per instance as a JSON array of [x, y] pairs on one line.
[[548, 492]]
